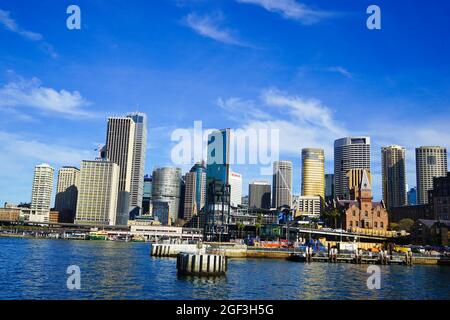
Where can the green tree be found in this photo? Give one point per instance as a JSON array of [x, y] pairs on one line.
[[405, 224], [258, 224], [240, 226], [332, 214]]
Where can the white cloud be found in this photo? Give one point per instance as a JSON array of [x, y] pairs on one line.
[[21, 92], [291, 9], [11, 25], [20, 147], [209, 26], [19, 154], [301, 122]]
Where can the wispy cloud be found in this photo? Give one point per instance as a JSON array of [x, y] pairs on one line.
[[11, 25], [340, 70], [242, 109], [210, 26], [291, 9], [31, 93]]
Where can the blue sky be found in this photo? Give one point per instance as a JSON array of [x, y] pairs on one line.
[[310, 68]]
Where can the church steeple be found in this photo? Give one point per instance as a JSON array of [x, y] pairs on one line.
[[366, 187]]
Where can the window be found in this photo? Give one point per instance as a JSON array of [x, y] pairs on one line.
[[376, 224], [378, 214], [381, 225]]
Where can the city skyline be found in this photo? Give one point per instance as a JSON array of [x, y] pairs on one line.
[[312, 93]]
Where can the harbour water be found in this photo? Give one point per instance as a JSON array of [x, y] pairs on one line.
[[36, 269]]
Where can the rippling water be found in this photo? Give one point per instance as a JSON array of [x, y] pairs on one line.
[[36, 269]]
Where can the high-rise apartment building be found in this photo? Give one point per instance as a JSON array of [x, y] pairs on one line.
[[166, 187], [67, 189], [119, 148], [349, 153], [313, 172], [282, 184], [138, 164], [393, 163], [431, 162], [195, 191], [259, 195], [98, 193], [236, 189], [41, 193]]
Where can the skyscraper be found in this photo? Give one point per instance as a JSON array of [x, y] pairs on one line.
[[236, 189], [195, 191], [98, 193], [119, 147], [259, 195], [282, 184], [349, 153], [412, 196], [166, 187], [313, 172], [138, 164], [67, 189], [329, 186], [218, 184], [41, 193], [393, 163], [430, 162], [147, 195]]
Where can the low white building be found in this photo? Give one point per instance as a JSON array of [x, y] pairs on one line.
[[160, 232], [309, 206]]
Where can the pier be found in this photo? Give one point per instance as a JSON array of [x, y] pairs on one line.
[[231, 250]]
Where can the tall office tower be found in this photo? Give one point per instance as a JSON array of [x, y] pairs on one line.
[[166, 187], [393, 163], [195, 191], [217, 206], [98, 193], [119, 147], [137, 168], [329, 187], [67, 190], [282, 184], [147, 195], [41, 194], [352, 185], [412, 196], [349, 153], [313, 172], [259, 195], [236, 189], [431, 162]]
